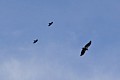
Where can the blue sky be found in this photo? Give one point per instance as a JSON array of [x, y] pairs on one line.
[[56, 55]]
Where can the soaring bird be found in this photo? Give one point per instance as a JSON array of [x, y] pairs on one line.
[[35, 41], [85, 48], [50, 23]]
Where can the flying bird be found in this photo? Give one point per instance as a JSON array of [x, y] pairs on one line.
[[85, 48], [50, 23], [35, 41]]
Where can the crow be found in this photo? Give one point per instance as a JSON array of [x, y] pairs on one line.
[[50, 23], [35, 41], [85, 48]]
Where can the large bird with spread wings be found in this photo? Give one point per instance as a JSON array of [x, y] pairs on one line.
[[85, 48], [36, 40], [50, 23]]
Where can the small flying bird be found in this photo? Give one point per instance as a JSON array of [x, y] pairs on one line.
[[50, 23], [85, 48], [35, 41]]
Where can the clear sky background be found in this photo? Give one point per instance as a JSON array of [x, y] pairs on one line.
[[56, 56]]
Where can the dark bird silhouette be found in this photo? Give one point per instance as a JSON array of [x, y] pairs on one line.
[[50, 23], [85, 48], [35, 41]]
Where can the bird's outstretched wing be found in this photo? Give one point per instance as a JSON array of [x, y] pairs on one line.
[[82, 52], [88, 44]]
